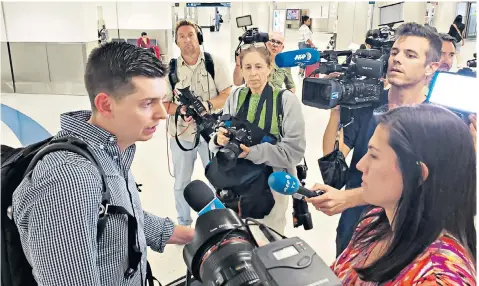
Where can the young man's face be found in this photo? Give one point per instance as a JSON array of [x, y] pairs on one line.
[[407, 62], [137, 115], [447, 55]]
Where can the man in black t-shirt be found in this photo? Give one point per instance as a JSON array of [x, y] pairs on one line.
[[414, 57]]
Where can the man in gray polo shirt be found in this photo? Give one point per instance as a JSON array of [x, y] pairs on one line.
[[192, 72]]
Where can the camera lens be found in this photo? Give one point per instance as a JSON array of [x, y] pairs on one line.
[[230, 264], [231, 150]]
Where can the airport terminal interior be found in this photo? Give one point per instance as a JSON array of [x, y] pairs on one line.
[[44, 48]]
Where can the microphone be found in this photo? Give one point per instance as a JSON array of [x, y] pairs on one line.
[[287, 184], [201, 198], [298, 57]]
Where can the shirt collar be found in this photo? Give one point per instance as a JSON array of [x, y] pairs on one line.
[[181, 61], [76, 122]]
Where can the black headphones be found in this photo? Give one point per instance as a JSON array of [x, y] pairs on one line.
[[199, 35]]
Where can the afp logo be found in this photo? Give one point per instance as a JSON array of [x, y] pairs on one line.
[[301, 57]]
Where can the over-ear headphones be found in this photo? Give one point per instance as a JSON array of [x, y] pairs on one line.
[[199, 35]]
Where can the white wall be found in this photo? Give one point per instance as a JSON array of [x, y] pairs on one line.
[[205, 15], [445, 14], [145, 15], [51, 22], [3, 35]]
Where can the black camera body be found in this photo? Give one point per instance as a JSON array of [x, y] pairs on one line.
[[223, 252], [205, 122], [242, 132], [253, 35], [301, 214]]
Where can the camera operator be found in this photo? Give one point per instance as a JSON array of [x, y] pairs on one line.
[[278, 75], [413, 58], [192, 71], [407, 231], [288, 152]]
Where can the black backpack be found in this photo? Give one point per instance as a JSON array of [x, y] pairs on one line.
[[16, 164], [173, 75]]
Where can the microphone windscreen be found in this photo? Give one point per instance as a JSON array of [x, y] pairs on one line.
[[283, 183], [197, 194], [293, 58]]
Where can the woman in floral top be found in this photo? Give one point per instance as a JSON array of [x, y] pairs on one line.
[[420, 172]]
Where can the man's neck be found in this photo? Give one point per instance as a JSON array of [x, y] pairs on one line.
[[191, 59], [409, 95], [103, 124]]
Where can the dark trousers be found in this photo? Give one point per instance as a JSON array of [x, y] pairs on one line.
[[347, 226]]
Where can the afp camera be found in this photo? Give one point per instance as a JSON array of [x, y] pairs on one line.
[[359, 86], [205, 122], [224, 252]]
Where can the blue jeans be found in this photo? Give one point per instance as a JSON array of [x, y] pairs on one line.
[[183, 165], [347, 226]]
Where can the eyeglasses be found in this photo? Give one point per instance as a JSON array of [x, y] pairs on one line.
[[276, 42]]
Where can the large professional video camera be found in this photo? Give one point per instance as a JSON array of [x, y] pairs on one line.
[[251, 35], [224, 252], [205, 122], [360, 85]]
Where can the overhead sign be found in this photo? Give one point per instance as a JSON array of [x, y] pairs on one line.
[[217, 4]]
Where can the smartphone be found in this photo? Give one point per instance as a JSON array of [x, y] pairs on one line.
[[456, 92]]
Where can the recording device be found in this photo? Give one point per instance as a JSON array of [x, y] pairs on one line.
[[224, 252], [359, 86], [458, 97], [205, 122], [301, 214], [302, 57], [472, 63], [383, 39], [286, 184], [242, 132], [470, 70], [251, 35]]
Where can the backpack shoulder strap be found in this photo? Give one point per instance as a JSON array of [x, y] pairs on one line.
[[79, 147], [173, 75], [279, 111], [210, 65]]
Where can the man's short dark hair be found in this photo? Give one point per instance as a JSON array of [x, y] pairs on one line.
[[417, 30], [448, 38], [111, 67], [143, 34]]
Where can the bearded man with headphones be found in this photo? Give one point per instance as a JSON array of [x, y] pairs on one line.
[[207, 77]]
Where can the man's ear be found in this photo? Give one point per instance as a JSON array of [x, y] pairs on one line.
[[431, 68], [103, 104]]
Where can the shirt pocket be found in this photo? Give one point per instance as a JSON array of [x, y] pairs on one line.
[[206, 84]]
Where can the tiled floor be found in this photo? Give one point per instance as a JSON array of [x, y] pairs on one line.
[[150, 166]]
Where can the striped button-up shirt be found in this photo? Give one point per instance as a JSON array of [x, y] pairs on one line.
[[56, 212]]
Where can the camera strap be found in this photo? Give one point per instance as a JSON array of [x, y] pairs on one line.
[[266, 96], [197, 135]]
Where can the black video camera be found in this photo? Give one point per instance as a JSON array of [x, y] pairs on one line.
[[224, 252], [359, 86], [251, 35], [470, 70], [242, 132], [205, 122]]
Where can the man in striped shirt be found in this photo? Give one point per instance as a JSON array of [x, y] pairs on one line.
[[56, 206]]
